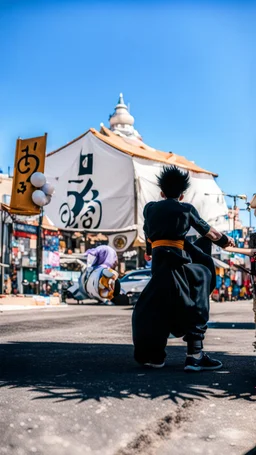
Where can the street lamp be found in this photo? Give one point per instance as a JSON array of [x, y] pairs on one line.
[[234, 197], [41, 197]]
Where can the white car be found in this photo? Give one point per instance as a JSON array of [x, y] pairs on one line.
[[134, 282]]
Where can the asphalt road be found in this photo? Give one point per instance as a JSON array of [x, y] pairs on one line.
[[69, 386]]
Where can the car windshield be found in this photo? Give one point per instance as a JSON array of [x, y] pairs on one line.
[[137, 276]]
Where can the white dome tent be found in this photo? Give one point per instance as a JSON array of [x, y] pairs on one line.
[[102, 182]]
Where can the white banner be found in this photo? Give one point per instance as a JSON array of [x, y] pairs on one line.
[[94, 186], [211, 208]]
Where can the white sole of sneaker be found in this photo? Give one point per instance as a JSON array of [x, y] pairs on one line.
[[154, 365], [191, 368]]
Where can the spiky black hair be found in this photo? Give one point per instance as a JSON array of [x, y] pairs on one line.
[[173, 182]]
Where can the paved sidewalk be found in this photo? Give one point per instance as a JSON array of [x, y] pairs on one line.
[[10, 307], [27, 301]]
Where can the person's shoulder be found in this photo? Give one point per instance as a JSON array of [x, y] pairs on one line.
[[148, 206], [150, 203], [187, 206]]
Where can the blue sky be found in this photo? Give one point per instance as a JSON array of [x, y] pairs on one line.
[[188, 70]]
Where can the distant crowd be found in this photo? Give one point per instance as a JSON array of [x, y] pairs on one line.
[[233, 292]]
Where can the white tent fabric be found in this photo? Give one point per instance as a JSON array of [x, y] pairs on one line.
[[95, 188]]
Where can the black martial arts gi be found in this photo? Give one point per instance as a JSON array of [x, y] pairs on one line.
[[176, 300]]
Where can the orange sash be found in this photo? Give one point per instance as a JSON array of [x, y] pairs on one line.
[[174, 243]]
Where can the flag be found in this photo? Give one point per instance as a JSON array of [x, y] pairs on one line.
[[29, 158]]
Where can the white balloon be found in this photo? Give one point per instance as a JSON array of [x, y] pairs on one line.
[[39, 198], [48, 189], [38, 179]]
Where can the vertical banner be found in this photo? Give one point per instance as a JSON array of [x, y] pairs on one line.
[[29, 158]]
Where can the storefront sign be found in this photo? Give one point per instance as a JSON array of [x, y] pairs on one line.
[[130, 254], [25, 228], [51, 259]]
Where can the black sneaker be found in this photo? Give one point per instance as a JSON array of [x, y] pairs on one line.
[[205, 363]]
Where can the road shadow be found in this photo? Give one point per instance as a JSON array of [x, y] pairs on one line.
[[80, 371]]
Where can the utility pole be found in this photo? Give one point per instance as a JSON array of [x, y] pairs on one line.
[[234, 218], [39, 249], [234, 197]]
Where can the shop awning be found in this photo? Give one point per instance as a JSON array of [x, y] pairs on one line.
[[72, 261], [72, 256], [220, 264]]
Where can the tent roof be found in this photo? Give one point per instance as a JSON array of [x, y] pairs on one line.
[[47, 224], [139, 150]]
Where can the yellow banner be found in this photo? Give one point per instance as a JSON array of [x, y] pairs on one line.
[[29, 158]]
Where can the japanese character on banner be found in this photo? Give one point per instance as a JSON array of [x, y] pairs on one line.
[[82, 209]]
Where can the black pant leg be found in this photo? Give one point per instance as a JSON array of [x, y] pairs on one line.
[[198, 314], [150, 323], [153, 312], [117, 288]]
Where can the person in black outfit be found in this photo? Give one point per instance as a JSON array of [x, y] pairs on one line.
[[176, 300]]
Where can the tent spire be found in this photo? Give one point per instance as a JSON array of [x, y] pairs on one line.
[[121, 122], [121, 99]]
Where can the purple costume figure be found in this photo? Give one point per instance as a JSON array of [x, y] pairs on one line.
[[103, 255], [99, 280]]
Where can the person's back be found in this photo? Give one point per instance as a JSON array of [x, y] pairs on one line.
[[170, 219]]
